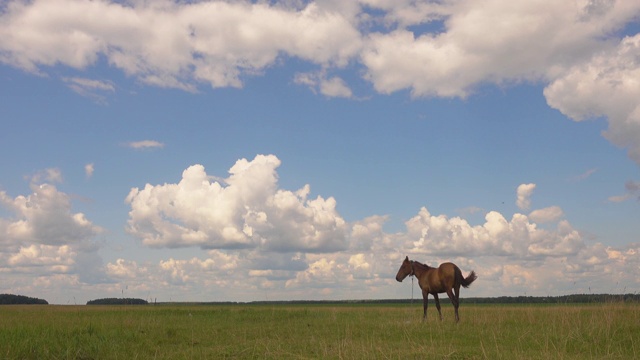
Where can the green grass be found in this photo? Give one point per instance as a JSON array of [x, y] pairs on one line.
[[609, 331]]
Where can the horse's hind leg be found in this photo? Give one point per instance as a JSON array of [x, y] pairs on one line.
[[456, 293], [435, 296], [454, 301]]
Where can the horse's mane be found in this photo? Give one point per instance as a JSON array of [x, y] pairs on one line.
[[421, 264]]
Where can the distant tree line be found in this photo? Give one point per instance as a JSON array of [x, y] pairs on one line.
[[10, 299], [564, 299], [117, 301]]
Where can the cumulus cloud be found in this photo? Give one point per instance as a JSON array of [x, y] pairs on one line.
[[214, 42], [217, 42], [57, 259], [125, 269], [524, 192], [45, 238], [487, 41], [549, 214], [571, 46], [518, 237], [247, 211], [45, 217], [605, 86], [264, 233]]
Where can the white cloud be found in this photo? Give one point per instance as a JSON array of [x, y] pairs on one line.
[[125, 269], [549, 214], [218, 42], [45, 239], [45, 217], [405, 13], [606, 85], [517, 238], [249, 212], [515, 253], [93, 89], [88, 170], [584, 175], [571, 45], [335, 87], [215, 42], [632, 191], [53, 175], [57, 259], [318, 82], [145, 144], [489, 41], [367, 233], [524, 192]]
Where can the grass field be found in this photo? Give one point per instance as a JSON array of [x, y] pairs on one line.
[[602, 331]]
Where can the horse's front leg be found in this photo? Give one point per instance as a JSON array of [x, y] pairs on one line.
[[425, 300], [435, 296]]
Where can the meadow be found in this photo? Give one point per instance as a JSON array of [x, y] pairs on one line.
[[363, 331]]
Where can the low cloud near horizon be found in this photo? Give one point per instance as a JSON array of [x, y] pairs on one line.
[[252, 237]]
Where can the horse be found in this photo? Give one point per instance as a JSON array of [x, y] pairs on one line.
[[445, 278]]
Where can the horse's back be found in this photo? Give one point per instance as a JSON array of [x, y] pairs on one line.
[[449, 272], [448, 268]]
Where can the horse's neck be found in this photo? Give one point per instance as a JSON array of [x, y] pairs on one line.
[[419, 268]]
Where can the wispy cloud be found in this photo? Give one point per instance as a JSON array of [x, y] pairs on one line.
[[584, 175], [470, 210], [145, 144], [50, 175], [632, 189], [90, 88], [328, 86]]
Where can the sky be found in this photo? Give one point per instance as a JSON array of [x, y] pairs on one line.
[[299, 150]]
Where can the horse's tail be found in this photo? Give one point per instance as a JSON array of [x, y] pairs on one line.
[[465, 282]]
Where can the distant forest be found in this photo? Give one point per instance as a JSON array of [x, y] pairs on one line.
[[565, 299], [117, 301], [10, 299]]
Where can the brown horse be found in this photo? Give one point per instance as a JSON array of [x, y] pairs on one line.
[[445, 278]]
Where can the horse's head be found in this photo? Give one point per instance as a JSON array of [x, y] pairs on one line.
[[405, 270]]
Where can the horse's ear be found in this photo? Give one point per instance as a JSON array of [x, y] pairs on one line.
[[407, 258]]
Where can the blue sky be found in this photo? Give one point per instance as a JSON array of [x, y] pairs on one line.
[[214, 151]]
